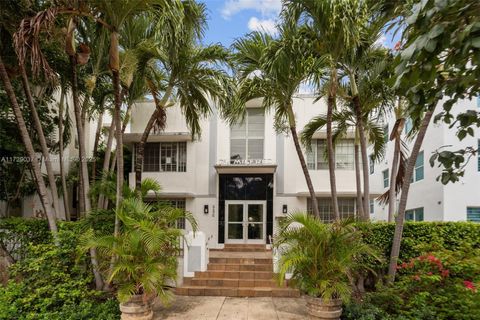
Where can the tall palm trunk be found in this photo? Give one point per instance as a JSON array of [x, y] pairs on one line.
[[98, 133], [140, 149], [83, 164], [330, 148], [106, 159], [303, 163], [81, 137], [41, 138], [42, 189], [363, 149], [358, 182], [392, 194], [60, 153], [397, 237], [124, 126]]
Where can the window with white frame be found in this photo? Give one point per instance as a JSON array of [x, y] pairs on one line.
[[247, 138], [177, 204], [371, 164], [473, 214], [346, 207], [414, 214], [344, 155], [165, 157], [418, 173], [385, 133], [386, 178]]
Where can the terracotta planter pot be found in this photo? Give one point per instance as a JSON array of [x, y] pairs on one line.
[[324, 309], [136, 309]]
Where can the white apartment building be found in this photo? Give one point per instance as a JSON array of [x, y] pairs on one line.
[[239, 181], [429, 199]]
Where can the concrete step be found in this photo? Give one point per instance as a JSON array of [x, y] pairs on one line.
[[222, 282], [239, 260], [237, 291], [256, 275], [239, 267]]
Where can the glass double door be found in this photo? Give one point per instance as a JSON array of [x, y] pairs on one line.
[[245, 221]]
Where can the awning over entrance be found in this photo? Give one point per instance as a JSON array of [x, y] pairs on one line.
[[245, 168], [158, 137]]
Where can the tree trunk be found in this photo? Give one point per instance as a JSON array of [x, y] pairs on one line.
[[83, 165], [98, 133], [60, 152], [358, 183], [83, 168], [42, 189], [124, 126], [331, 150], [42, 140], [397, 238], [363, 149], [106, 159], [140, 148], [392, 194]]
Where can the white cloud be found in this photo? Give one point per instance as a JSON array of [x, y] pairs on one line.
[[265, 25], [265, 7]]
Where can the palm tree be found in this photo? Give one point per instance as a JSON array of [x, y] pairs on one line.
[[399, 221], [321, 257], [366, 62], [189, 73], [42, 189], [274, 70], [333, 25], [345, 119], [146, 248]]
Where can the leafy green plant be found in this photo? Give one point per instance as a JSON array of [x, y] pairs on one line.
[[145, 250], [50, 279], [320, 256]]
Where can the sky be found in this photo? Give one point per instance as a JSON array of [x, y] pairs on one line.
[[231, 19]]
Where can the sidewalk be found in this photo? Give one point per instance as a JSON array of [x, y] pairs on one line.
[[226, 308]]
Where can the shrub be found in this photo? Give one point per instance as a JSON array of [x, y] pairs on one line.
[[51, 282]]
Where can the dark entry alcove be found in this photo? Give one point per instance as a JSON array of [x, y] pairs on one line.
[[245, 187]]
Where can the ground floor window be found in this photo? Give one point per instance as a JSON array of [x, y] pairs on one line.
[[473, 214], [346, 206], [175, 203], [414, 214]]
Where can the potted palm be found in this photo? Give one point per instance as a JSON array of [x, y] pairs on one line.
[[321, 258], [143, 254]]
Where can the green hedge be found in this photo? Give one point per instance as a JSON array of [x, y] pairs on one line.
[[420, 235]]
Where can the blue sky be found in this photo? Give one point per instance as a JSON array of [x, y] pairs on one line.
[[231, 19]]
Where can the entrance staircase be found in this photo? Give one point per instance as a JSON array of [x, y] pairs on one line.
[[238, 270]]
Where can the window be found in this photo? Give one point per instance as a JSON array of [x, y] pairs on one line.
[[385, 133], [372, 206], [408, 125], [165, 157], [418, 172], [246, 139], [473, 214], [344, 155], [371, 164], [346, 206], [178, 204], [478, 101], [414, 214], [386, 178]]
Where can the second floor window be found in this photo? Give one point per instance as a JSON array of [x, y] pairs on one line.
[[344, 155], [165, 157], [418, 174], [414, 214], [247, 138], [386, 178]]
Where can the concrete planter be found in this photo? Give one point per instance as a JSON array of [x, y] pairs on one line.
[[136, 309], [324, 309]]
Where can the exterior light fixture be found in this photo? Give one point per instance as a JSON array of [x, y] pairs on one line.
[[205, 209], [285, 209]]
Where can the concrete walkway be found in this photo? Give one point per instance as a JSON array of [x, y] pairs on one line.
[[226, 308]]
